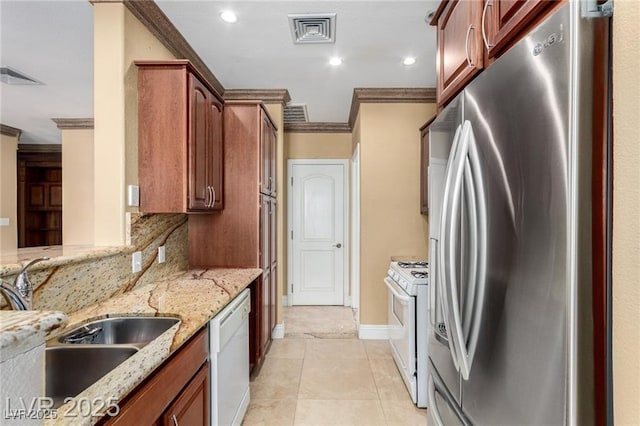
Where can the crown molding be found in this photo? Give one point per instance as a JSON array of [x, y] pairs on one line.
[[267, 96], [38, 148], [73, 123], [317, 127], [152, 17], [10, 131], [389, 95]]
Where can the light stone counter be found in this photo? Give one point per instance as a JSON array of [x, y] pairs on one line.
[[21, 331], [195, 297], [11, 262]]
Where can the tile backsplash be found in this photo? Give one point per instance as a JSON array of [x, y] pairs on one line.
[[74, 282]]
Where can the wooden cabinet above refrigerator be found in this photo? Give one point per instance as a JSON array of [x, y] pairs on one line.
[[472, 33]]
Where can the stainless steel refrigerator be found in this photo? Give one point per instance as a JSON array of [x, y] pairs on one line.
[[510, 336]]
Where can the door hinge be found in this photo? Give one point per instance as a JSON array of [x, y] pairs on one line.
[[292, 234], [593, 9], [291, 180], [291, 288]]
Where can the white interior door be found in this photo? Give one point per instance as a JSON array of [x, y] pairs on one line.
[[317, 231]]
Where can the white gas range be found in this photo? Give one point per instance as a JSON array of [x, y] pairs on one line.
[[407, 283]]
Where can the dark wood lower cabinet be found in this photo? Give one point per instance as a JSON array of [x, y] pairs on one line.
[[261, 321], [180, 388], [192, 406]]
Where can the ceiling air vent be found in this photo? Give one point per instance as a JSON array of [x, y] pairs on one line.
[[295, 113], [9, 75], [313, 28]]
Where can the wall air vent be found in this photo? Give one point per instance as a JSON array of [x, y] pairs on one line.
[[12, 76], [295, 113], [311, 28]]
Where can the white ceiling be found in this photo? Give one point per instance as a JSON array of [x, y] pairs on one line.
[[52, 41]]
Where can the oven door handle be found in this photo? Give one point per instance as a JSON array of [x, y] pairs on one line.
[[392, 286]]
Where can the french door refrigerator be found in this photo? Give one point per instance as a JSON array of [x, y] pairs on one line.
[[510, 335]]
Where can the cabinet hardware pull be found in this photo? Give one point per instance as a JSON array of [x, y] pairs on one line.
[[466, 46], [175, 419], [213, 196], [337, 245], [488, 45]]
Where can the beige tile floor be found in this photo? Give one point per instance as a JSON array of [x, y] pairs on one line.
[[321, 374]]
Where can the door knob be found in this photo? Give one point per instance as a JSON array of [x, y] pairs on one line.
[[337, 245]]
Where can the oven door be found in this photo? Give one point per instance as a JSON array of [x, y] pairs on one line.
[[402, 331]]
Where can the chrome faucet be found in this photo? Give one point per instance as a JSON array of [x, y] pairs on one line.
[[20, 294], [13, 297], [22, 283]]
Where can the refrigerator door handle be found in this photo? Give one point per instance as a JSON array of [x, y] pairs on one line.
[[467, 182], [445, 258], [479, 212]]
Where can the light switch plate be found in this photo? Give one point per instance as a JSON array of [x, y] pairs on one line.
[[161, 254], [4, 221], [136, 262], [133, 195]]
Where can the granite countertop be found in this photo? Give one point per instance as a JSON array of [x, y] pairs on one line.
[[12, 262], [21, 331], [195, 297]]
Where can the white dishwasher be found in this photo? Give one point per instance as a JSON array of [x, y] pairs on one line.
[[229, 340]]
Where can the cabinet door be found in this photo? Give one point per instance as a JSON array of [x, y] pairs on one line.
[[198, 150], [266, 180], [424, 170], [265, 320], [274, 263], [265, 241], [460, 49], [504, 19], [273, 154], [191, 407], [216, 153]]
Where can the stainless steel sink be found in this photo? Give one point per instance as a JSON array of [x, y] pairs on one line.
[[69, 370], [119, 330]]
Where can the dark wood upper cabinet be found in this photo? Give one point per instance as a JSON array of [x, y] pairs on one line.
[[504, 19], [460, 55], [268, 157], [472, 33], [180, 143]]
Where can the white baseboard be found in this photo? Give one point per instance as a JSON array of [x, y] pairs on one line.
[[373, 332], [278, 331]]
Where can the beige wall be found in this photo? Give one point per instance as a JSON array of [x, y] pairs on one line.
[[119, 38], [77, 186], [390, 219], [626, 216], [318, 145], [8, 192], [276, 111]]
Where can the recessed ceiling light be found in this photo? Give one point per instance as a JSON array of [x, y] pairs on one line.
[[409, 60], [335, 61], [228, 16]]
